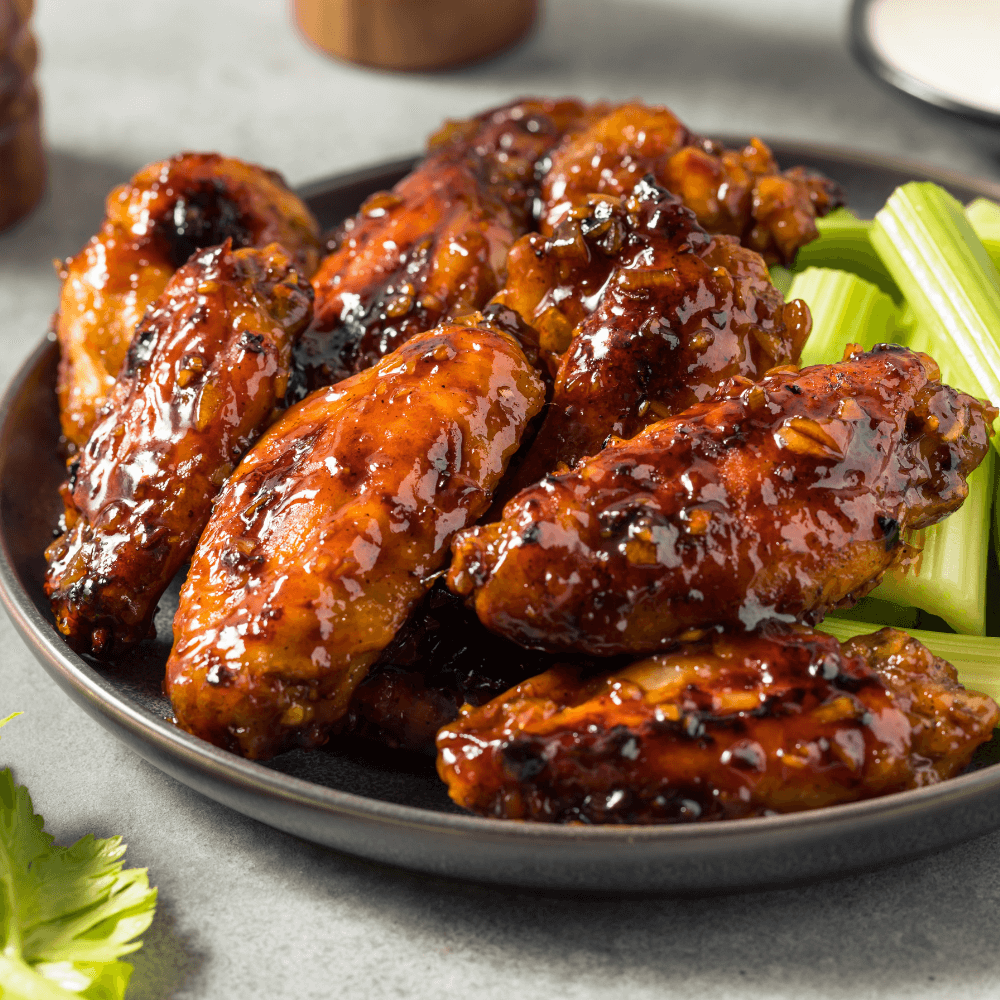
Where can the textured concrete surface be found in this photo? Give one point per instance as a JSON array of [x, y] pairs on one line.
[[246, 911]]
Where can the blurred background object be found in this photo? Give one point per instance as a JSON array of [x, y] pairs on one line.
[[415, 34], [945, 55], [22, 161]]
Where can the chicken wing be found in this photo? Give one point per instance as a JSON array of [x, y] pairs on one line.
[[207, 366], [331, 530], [664, 314], [152, 226], [740, 193], [440, 659], [780, 499], [735, 725], [436, 245]]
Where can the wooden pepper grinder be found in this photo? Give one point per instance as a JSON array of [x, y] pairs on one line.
[[22, 160], [415, 34]]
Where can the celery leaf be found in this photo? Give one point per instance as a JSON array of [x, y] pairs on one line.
[[67, 914]]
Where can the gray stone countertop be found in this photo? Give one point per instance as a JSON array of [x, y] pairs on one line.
[[246, 911]]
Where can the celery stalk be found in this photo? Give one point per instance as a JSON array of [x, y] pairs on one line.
[[845, 309], [984, 217], [996, 520], [976, 659], [781, 278], [879, 613], [955, 370], [927, 244], [843, 244], [950, 577]]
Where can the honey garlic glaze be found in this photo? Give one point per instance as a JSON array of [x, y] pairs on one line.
[[672, 312], [331, 530], [152, 226], [738, 192], [737, 724], [207, 367], [436, 244], [780, 499]]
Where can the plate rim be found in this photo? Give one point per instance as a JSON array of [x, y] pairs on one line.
[[98, 696]]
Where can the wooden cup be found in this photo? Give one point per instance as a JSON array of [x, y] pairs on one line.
[[414, 34], [22, 159]]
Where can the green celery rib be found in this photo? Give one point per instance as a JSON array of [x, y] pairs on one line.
[[843, 244], [996, 520], [955, 370], [950, 578], [927, 244], [878, 613], [976, 658], [845, 309], [984, 217], [781, 278]]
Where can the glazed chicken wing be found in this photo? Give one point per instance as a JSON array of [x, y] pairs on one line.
[[152, 226], [741, 193], [331, 531], [436, 245], [208, 364], [735, 725], [673, 313], [783, 498], [440, 659]]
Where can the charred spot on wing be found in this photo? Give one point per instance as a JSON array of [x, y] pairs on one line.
[[523, 758], [663, 212], [531, 534], [738, 436], [692, 725], [203, 217], [746, 755], [140, 351], [619, 741], [508, 321], [253, 342], [890, 530], [617, 520]]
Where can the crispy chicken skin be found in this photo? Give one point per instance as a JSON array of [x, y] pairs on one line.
[[330, 531], [783, 498], [209, 362], [944, 716], [734, 725], [736, 192], [152, 225], [675, 312], [436, 245]]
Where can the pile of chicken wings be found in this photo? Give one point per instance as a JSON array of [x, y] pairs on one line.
[[516, 465]]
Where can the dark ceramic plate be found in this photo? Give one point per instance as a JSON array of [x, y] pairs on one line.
[[389, 807]]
